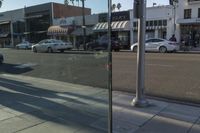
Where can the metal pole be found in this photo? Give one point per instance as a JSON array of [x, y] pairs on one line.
[[110, 127], [174, 17], [139, 100], [11, 30], [84, 27]]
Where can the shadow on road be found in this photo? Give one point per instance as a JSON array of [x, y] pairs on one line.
[[14, 69]]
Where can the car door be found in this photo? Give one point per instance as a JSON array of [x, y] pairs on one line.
[[43, 46], [38, 46], [156, 44], [148, 44]]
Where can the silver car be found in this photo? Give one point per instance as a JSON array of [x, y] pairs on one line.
[[158, 45], [24, 45], [51, 45]]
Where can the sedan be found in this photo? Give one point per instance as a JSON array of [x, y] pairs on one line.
[[1, 58], [158, 45], [102, 44], [24, 45], [51, 45]]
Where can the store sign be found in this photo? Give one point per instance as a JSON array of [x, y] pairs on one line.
[[116, 16], [121, 16]]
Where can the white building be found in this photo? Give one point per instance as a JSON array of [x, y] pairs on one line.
[[159, 23], [188, 20]]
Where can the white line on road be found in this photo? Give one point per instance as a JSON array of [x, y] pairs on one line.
[[160, 65]]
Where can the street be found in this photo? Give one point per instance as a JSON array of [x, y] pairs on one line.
[[170, 75]]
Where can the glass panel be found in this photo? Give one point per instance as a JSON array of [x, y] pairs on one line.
[[56, 83]]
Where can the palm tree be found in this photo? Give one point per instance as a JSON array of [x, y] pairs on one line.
[[1, 2], [113, 7], [83, 14], [66, 2], [119, 6]]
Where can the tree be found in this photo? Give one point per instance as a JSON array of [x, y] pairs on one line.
[[66, 2], [119, 6], [1, 2], [83, 14], [113, 7]]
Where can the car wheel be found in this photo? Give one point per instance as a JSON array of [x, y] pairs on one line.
[[162, 49], [49, 50], [34, 50], [26, 48], [135, 49]]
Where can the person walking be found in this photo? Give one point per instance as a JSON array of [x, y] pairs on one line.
[[173, 38]]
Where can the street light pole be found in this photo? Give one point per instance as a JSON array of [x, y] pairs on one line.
[[139, 100], [83, 26], [174, 5]]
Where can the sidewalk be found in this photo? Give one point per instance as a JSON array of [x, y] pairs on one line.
[[159, 117], [35, 105]]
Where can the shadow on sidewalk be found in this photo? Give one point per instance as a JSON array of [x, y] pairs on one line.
[[44, 104]]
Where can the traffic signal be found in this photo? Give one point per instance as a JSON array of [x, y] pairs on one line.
[[136, 8]]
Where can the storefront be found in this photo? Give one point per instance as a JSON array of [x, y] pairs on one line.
[[190, 31], [120, 27]]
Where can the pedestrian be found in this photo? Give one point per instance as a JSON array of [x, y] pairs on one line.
[[173, 38], [187, 43]]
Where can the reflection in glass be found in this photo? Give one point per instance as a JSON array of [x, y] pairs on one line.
[[52, 83]]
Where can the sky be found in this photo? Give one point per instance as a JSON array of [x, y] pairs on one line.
[[96, 5]]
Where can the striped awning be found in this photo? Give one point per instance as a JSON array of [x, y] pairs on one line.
[[116, 26], [59, 30]]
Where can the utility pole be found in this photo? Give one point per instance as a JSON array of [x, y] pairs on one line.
[[140, 14], [11, 31], [83, 26], [110, 121]]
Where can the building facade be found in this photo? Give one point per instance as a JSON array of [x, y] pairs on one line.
[[32, 23], [188, 21], [40, 17], [159, 23], [12, 27]]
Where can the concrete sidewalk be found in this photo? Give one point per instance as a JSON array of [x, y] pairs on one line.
[[35, 105], [159, 117]]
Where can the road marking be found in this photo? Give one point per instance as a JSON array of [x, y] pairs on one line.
[[160, 65]]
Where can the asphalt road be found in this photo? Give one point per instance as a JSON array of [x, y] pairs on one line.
[[171, 75], [74, 67]]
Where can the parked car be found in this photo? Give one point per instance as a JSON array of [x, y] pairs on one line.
[[24, 45], [52, 45], [1, 58], [157, 44], [102, 44]]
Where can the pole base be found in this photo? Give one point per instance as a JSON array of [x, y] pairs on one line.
[[141, 103]]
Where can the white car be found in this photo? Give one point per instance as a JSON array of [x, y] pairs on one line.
[[24, 45], [52, 45], [158, 44]]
